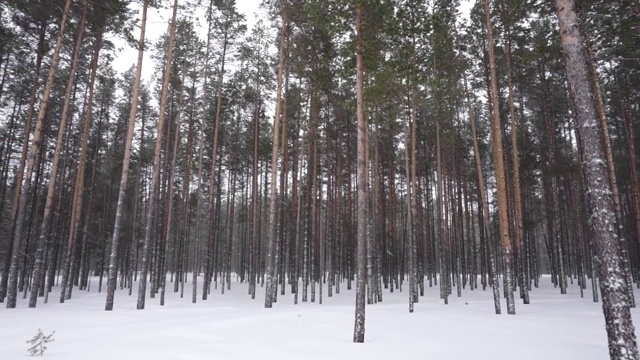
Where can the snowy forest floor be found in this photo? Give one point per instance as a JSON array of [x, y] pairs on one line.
[[232, 326]]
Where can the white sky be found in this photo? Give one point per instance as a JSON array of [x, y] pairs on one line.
[[157, 23]]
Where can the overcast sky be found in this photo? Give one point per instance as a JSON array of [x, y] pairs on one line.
[[157, 22]]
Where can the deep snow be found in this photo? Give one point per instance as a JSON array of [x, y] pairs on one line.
[[232, 326]]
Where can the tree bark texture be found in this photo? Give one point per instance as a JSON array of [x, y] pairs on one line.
[[620, 329], [363, 185], [498, 157]]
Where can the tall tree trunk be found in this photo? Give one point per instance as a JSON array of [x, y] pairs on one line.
[[5, 73], [442, 256], [124, 178], [271, 264], [498, 157], [411, 203], [515, 161], [484, 204], [172, 175], [53, 175], [205, 101], [78, 258], [633, 168], [185, 222], [363, 185], [611, 168], [78, 192], [619, 325], [155, 179], [296, 209], [411, 188], [285, 233], [7, 151], [312, 175], [35, 149], [213, 185], [23, 158], [255, 213], [550, 185]]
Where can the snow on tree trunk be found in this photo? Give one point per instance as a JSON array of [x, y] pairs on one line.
[[363, 185], [620, 329]]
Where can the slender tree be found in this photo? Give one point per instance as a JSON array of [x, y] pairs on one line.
[[484, 205], [271, 264], [151, 207], [170, 191], [201, 138], [231, 27], [41, 21], [363, 183], [126, 163], [53, 175], [498, 157], [515, 161], [35, 149]]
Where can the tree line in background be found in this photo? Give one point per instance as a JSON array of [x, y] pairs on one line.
[[387, 142]]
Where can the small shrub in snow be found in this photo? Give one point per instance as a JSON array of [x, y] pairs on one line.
[[39, 343]]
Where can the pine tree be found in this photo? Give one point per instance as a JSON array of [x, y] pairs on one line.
[[271, 256], [35, 149], [153, 198], [117, 229], [229, 26], [496, 136], [363, 188], [620, 329], [46, 221]]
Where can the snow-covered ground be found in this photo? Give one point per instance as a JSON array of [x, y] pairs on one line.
[[232, 326]]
